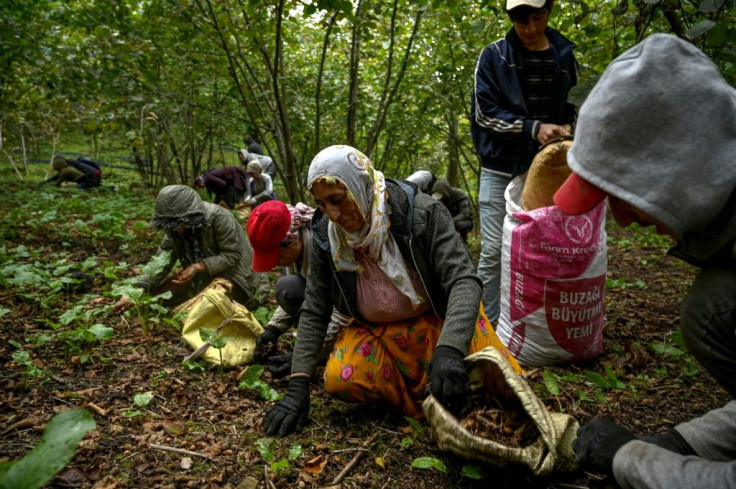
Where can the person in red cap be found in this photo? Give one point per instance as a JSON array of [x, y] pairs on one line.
[[519, 103], [663, 154], [280, 235]]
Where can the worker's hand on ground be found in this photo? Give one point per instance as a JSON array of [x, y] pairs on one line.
[[123, 304], [448, 379], [249, 201], [279, 365], [292, 412], [550, 131], [186, 274], [598, 442], [266, 341]]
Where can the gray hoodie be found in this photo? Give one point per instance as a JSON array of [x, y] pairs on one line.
[[215, 238], [658, 131]]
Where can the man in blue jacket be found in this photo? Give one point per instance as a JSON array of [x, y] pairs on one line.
[[657, 136], [519, 103]]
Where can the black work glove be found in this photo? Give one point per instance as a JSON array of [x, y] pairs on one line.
[[598, 442], [671, 440], [292, 412], [448, 379], [279, 365], [270, 336]]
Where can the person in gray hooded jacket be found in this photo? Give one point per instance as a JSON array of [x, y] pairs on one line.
[[663, 113], [208, 242]]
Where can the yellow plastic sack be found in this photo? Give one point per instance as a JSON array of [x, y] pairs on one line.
[[492, 374], [208, 310]]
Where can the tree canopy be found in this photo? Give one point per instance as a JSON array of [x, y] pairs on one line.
[[181, 82]]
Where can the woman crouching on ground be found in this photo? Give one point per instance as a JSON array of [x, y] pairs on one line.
[[389, 257]]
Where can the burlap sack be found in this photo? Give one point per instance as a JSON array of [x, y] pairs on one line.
[[546, 174], [207, 310], [492, 374]]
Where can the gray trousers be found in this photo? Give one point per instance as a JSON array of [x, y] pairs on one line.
[[708, 324]]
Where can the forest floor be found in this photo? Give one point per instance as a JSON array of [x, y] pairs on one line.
[[217, 425]]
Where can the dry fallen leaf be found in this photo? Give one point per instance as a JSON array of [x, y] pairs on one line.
[[316, 465]]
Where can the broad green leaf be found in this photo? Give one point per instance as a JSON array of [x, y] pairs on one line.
[[472, 472], [143, 399], [53, 453], [597, 379], [266, 447], [101, 332], [418, 429], [700, 28], [280, 465], [429, 463], [550, 382], [295, 452], [4, 311]]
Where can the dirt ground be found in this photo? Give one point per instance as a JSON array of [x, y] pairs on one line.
[[217, 425]]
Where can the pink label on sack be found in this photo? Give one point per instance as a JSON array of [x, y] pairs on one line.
[[549, 244], [574, 310]]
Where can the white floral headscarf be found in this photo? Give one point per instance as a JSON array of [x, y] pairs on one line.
[[367, 187]]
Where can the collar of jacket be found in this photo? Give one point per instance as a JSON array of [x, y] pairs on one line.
[[556, 40]]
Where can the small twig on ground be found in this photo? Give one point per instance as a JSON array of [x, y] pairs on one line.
[[266, 479], [24, 423], [62, 400], [97, 409], [180, 450], [355, 459], [129, 456]]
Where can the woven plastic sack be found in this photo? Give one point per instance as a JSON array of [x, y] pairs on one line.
[[208, 310], [491, 374], [553, 280]]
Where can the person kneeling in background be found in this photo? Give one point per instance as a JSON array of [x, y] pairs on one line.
[[458, 203], [208, 242], [260, 186], [84, 175], [281, 236]]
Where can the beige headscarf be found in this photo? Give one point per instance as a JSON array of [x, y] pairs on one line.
[[367, 188]]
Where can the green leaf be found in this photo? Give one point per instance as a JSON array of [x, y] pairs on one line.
[[472, 472], [142, 400], [406, 443], [53, 453], [266, 447], [295, 452], [550, 382], [429, 463], [22, 357], [418, 429], [280, 465], [700, 28], [101, 332], [4, 311], [597, 379]]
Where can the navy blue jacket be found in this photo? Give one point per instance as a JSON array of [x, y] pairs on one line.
[[502, 129]]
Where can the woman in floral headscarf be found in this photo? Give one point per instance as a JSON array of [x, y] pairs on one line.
[[387, 256]]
